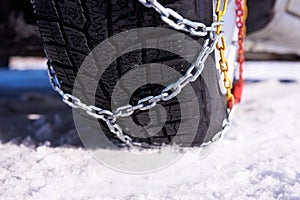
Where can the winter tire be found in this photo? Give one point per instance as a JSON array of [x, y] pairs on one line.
[[71, 29]]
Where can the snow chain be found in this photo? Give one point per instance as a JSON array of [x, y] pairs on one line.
[[214, 34], [241, 14], [223, 60]]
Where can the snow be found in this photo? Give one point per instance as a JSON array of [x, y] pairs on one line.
[[20, 63], [258, 159]]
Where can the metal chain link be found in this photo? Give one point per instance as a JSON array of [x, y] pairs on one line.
[[223, 60], [241, 16], [147, 103], [191, 75], [178, 22]]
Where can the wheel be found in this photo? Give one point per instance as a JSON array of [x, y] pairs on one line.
[[72, 29]]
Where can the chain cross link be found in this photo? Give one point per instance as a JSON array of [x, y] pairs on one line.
[[178, 22]]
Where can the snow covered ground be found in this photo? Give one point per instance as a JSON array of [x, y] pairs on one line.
[[258, 159]]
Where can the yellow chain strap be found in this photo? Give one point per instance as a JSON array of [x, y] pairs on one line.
[[221, 48], [245, 16]]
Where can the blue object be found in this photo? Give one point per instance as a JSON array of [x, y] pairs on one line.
[[16, 81]]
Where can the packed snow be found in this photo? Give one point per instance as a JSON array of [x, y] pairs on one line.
[[258, 159]]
